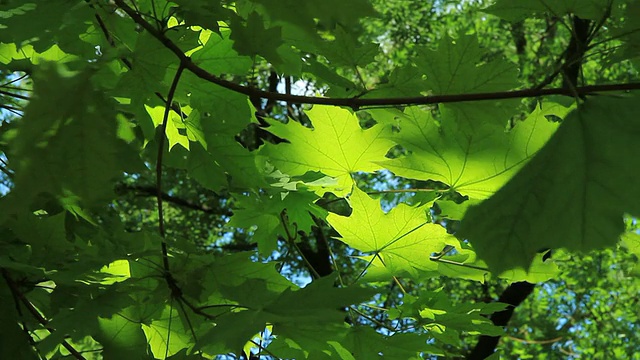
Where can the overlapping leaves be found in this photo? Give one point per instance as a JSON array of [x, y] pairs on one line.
[[571, 191], [402, 240], [77, 136], [455, 68], [573, 194], [336, 146], [475, 164]]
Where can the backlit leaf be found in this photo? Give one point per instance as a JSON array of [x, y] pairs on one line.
[[337, 146], [471, 164], [402, 239], [571, 195]]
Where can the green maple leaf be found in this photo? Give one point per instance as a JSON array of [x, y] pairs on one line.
[[572, 194], [366, 343], [120, 337], [454, 68], [319, 302], [293, 313], [255, 39], [47, 238], [205, 13], [268, 217], [472, 164], [465, 265], [224, 164], [219, 111], [402, 81], [14, 343], [43, 23], [347, 50], [174, 126], [263, 216], [339, 85], [10, 53], [340, 12], [312, 318], [67, 143], [166, 335], [402, 239], [154, 66], [218, 115], [337, 146], [217, 56]]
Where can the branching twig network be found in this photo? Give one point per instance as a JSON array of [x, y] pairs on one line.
[[358, 102]]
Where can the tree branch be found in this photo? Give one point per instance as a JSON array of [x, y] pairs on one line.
[[161, 141], [517, 292], [152, 191], [14, 95], [127, 63], [513, 295], [358, 102], [36, 314], [575, 52]]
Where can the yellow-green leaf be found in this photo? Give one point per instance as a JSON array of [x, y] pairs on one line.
[[337, 146], [402, 239]]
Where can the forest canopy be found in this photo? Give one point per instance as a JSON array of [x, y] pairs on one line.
[[280, 179]]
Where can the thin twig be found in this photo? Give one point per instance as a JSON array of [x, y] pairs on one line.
[[14, 95], [142, 190], [15, 291], [540, 342], [6, 171], [13, 109], [162, 135], [394, 191], [262, 348], [373, 320], [331, 255], [14, 80], [166, 349], [291, 239], [451, 262]]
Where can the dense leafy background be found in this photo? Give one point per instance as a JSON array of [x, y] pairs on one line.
[[277, 179]]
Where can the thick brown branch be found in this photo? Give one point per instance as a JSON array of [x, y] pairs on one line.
[[357, 102], [513, 295], [575, 52]]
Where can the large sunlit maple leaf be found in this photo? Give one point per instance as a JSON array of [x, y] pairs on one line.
[[336, 146], [476, 165], [402, 239]]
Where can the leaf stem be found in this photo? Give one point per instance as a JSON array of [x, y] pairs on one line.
[[292, 241], [394, 191], [395, 279], [450, 262]]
